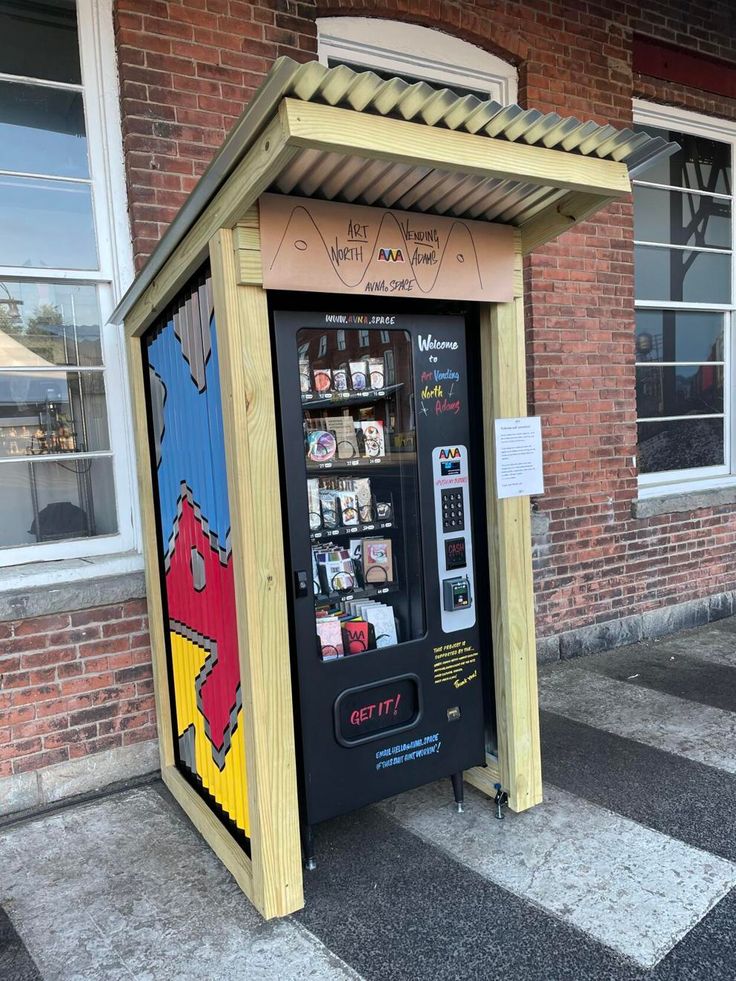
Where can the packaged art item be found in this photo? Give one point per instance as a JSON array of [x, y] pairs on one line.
[[355, 636], [381, 617], [345, 438], [315, 513], [305, 381], [376, 373], [340, 379], [372, 431], [329, 505], [348, 508], [362, 487], [321, 445], [358, 375], [322, 379], [330, 636], [377, 561]]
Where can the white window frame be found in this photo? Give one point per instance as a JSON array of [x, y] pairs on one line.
[[420, 52], [115, 272], [698, 478]]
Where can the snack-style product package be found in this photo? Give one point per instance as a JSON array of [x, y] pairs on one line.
[[340, 378], [330, 507], [305, 379], [382, 617], [348, 508]]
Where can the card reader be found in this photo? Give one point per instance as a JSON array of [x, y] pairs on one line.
[[456, 593]]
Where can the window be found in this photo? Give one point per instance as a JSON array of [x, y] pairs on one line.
[[65, 471], [683, 231], [415, 53]]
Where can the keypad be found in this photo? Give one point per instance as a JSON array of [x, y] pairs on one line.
[[453, 517]]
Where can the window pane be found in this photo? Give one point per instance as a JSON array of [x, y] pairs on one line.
[[680, 445], [700, 163], [46, 223], [676, 218], [52, 412], [39, 39], [42, 131], [54, 500], [676, 274], [679, 335], [44, 324], [679, 390]]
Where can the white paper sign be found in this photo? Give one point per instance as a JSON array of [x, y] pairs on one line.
[[519, 457]]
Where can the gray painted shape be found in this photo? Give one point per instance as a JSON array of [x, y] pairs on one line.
[[199, 575], [157, 390], [187, 748]]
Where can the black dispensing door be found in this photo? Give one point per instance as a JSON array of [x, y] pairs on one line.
[[379, 486]]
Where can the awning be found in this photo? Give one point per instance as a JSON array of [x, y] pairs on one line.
[[337, 134]]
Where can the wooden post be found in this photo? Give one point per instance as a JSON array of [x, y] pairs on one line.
[[518, 767], [246, 378]]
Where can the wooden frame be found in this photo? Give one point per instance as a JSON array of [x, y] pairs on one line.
[[228, 232]]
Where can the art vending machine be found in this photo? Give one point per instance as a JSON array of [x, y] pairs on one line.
[[378, 484]]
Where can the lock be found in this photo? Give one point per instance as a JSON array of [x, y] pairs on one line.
[[301, 584]]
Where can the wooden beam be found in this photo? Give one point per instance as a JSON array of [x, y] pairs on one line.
[[509, 552], [316, 126], [251, 177], [157, 627], [253, 479], [568, 211]]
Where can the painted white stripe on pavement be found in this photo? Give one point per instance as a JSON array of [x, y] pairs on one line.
[[718, 646], [633, 889], [697, 732]]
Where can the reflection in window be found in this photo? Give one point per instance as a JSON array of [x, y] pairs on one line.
[[683, 229]]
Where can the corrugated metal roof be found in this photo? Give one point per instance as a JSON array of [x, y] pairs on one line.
[[335, 176]]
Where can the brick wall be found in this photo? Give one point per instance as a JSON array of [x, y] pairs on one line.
[[188, 68], [72, 684]]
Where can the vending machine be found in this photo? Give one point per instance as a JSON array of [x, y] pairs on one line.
[[388, 606]]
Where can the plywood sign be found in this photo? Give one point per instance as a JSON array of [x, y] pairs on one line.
[[328, 247]]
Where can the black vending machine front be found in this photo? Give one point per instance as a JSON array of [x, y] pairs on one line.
[[378, 485]]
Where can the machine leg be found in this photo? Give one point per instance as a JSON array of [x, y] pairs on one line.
[[310, 862], [457, 789]]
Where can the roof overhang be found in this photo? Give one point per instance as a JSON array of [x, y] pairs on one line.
[[335, 134]]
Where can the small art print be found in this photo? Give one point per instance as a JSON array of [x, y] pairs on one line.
[[328, 247]]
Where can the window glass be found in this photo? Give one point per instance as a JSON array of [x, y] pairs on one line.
[[46, 501], [679, 335], [700, 163], [46, 323], [677, 218], [682, 275], [45, 412], [42, 131], [38, 38], [680, 444], [679, 390], [46, 223]]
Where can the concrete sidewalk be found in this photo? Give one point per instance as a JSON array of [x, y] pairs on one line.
[[627, 871]]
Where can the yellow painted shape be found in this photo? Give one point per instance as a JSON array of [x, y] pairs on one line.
[[227, 786]]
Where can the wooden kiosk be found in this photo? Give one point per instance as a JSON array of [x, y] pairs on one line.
[[200, 344]]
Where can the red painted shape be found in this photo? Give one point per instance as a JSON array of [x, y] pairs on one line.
[[210, 612], [675, 64]]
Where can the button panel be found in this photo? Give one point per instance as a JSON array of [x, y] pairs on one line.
[[453, 514]]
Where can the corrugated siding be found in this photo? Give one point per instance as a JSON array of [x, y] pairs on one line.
[[190, 483]]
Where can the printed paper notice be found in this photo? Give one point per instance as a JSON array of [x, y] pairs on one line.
[[519, 457]]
